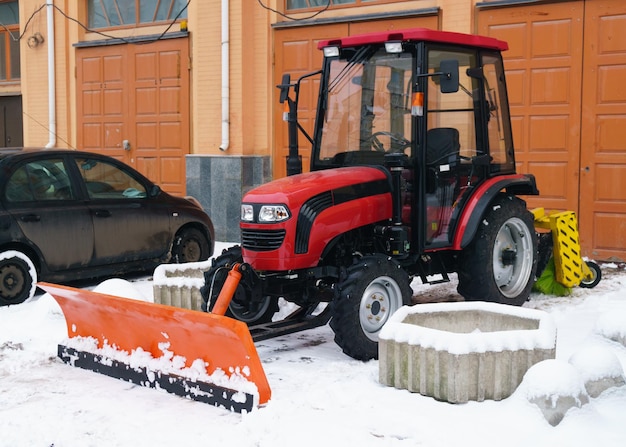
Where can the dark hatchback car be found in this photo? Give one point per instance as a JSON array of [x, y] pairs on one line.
[[67, 215]]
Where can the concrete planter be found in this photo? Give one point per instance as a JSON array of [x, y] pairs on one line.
[[179, 284], [457, 352]]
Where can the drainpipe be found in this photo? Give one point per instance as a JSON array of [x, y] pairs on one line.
[[225, 78], [52, 119]]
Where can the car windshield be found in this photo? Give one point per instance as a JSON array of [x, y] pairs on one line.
[[367, 108]]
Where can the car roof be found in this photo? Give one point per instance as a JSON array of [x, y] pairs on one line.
[[12, 151], [11, 155], [15, 153]]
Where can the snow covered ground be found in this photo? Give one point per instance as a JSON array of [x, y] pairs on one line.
[[319, 395]]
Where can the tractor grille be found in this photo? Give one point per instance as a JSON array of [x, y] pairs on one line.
[[262, 240]]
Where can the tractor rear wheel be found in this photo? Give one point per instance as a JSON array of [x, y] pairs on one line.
[[500, 263], [368, 294], [242, 307]]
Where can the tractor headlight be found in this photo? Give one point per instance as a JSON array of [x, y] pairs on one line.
[[247, 213], [273, 213], [264, 213]]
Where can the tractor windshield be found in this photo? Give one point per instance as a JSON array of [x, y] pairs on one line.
[[367, 108]]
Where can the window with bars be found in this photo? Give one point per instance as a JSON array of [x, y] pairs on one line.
[[293, 5], [9, 42], [120, 13]]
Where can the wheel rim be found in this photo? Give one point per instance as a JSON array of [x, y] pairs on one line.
[[12, 281], [380, 300], [513, 257], [191, 250], [591, 280]]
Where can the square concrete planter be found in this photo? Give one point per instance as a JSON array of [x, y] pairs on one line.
[[457, 352], [179, 285]]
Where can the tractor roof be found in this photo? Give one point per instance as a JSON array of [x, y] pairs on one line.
[[417, 34]]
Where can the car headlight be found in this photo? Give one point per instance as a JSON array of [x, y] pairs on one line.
[[273, 213]]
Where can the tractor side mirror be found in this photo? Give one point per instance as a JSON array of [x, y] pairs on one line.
[[284, 86], [449, 76]]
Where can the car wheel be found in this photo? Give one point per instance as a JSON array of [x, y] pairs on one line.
[[499, 264], [372, 290], [18, 278], [190, 245]]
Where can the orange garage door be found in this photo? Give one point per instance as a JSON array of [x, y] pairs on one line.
[[133, 104], [603, 131], [568, 107]]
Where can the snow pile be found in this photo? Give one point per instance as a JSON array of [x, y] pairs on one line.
[[555, 387], [599, 368], [319, 395], [122, 288], [612, 325]]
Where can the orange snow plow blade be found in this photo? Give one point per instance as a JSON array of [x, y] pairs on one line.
[[234, 377]]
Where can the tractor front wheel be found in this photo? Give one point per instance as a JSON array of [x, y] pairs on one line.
[[365, 297], [243, 306], [499, 264]]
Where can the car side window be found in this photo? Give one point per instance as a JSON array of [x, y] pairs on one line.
[[107, 181], [42, 180]]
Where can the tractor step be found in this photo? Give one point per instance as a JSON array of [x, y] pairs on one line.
[[298, 321]]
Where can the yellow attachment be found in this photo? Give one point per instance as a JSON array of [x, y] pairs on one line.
[[570, 269]]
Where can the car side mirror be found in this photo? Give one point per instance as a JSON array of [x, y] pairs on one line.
[[154, 191]]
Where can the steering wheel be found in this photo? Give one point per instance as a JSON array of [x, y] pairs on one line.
[[400, 141]]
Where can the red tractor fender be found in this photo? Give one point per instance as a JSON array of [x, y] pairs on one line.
[[481, 199]]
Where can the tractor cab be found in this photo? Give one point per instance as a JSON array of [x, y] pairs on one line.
[[431, 102]]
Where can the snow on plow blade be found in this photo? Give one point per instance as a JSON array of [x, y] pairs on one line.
[[215, 360]]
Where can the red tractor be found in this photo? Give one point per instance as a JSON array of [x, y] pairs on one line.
[[412, 175]]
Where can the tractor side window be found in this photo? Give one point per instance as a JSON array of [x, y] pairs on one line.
[[498, 124], [453, 110]]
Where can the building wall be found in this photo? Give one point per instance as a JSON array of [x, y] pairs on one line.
[[252, 133]]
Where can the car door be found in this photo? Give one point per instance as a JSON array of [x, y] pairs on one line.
[[46, 205], [128, 225]]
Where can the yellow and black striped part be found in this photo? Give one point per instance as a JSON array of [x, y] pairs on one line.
[[570, 269]]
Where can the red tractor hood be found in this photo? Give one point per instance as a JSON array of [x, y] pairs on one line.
[[335, 201], [296, 189]]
